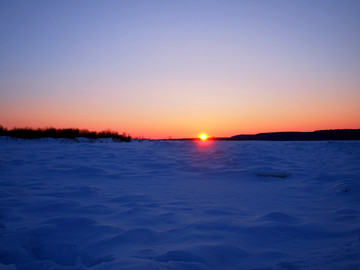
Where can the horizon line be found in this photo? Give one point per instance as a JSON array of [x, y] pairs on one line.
[[169, 137]]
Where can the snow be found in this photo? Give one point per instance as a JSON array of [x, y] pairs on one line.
[[179, 205]]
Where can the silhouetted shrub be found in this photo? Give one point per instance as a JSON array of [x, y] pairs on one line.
[[2, 131]]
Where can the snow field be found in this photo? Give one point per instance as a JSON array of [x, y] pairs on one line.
[[179, 205]]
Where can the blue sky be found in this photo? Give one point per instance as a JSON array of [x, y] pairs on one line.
[[177, 68]]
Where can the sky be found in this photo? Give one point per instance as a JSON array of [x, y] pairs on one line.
[[177, 68]]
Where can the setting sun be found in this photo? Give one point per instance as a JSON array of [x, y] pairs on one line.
[[203, 137]]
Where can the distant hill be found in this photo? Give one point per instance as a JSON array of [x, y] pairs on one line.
[[319, 135]]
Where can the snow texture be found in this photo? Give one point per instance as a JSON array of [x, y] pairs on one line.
[[179, 205]]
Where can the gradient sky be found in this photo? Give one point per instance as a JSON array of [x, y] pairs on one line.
[[157, 68]]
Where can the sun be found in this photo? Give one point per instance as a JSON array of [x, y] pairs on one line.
[[203, 137]]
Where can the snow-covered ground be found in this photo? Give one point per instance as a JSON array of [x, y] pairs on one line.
[[179, 205]]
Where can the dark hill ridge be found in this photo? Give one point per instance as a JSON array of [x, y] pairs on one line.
[[319, 135]]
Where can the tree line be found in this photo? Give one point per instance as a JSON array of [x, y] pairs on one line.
[[64, 133]]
